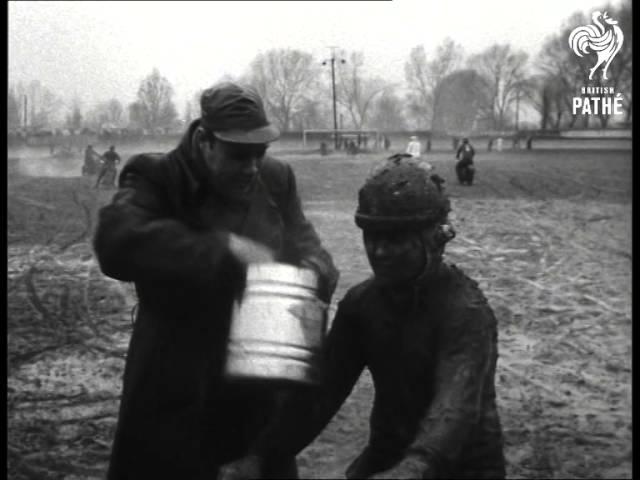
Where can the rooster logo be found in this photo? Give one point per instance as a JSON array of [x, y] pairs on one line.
[[605, 40]]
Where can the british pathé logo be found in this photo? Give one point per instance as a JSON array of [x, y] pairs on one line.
[[604, 38]]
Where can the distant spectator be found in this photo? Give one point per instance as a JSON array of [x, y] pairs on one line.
[[490, 145], [455, 141], [387, 143], [323, 148], [529, 142], [414, 148], [429, 144]]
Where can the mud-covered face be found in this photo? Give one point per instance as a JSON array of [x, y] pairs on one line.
[[401, 256], [396, 256], [233, 167]]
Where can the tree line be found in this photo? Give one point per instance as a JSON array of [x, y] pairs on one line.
[[445, 90]]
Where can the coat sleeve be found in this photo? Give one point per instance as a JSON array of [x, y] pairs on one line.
[[467, 351], [305, 413], [302, 244], [136, 238]]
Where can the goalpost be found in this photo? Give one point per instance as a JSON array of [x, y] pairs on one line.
[[366, 138]]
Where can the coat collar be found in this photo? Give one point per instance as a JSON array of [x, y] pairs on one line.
[[189, 159]]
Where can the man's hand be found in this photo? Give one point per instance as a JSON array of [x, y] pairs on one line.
[[249, 251], [244, 468]]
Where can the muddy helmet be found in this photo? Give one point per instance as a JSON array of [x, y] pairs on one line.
[[401, 192]]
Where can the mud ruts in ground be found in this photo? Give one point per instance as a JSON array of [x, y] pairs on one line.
[[550, 248]]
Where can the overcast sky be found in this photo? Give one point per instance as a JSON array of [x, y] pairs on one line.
[[99, 50]]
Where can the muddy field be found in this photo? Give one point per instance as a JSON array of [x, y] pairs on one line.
[[547, 234]]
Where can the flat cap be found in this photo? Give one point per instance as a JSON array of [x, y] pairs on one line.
[[235, 113]]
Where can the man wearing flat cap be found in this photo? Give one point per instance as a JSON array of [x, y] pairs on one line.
[[183, 226]]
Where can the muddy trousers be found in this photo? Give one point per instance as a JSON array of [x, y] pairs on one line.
[[109, 174], [465, 172]]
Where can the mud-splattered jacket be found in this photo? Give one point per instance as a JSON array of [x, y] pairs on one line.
[[465, 154], [111, 158], [432, 356], [167, 231]]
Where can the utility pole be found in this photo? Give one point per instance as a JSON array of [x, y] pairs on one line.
[[24, 112], [333, 90], [517, 108]]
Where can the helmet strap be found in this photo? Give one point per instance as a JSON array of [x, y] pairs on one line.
[[433, 255]]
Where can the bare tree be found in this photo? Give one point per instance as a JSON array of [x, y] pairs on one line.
[[283, 78], [136, 115], [154, 107], [558, 61], [544, 94], [464, 104], [13, 108], [620, 69], [416, 74], [424, 77], [109, 113], [388, 112], [75, 118], [356, 91], [567, 74], [115, 110], [44, 106], [312, 113], [503, 70]]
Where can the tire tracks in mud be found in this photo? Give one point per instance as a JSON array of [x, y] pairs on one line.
[[550, 183]]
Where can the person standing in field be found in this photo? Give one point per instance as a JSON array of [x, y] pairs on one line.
[[414, 148], [427, 334], [465, 170], [183, 226], [110, 159]]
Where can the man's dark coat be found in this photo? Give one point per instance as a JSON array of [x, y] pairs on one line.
[[167, 231]]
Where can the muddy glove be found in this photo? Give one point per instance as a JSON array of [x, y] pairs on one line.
[[249, 251], [243, 468]]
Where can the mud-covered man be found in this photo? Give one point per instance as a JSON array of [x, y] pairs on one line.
[[426, 333], [110, 160], [464, 167], [183, 226]]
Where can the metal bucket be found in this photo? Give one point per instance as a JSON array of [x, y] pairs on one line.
[[278, 326]]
